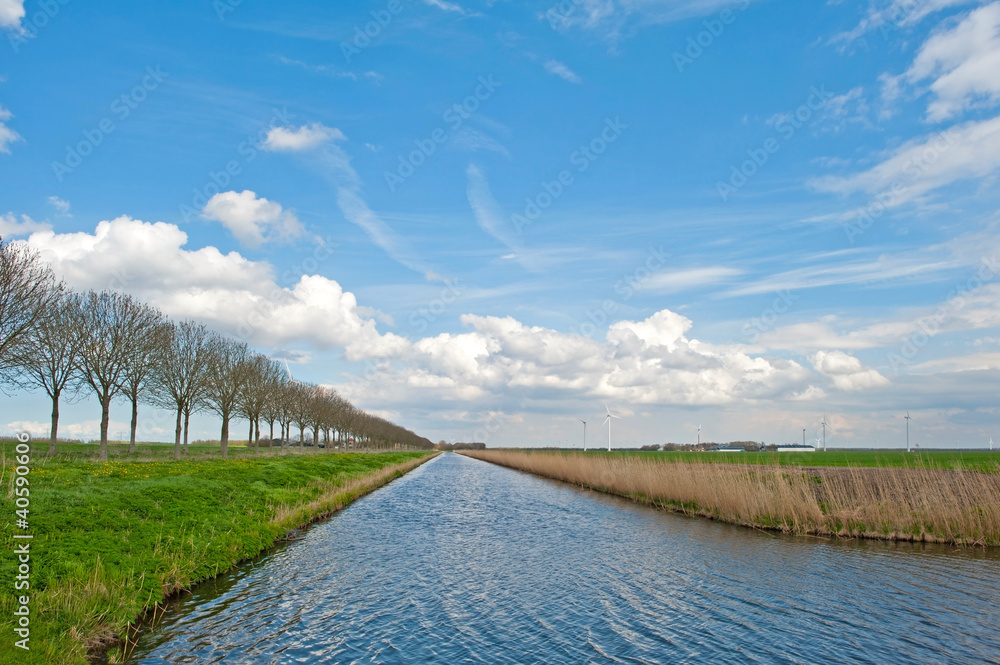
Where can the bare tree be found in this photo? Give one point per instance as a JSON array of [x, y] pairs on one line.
[[107, 322], [179, 380], [28, 289], [145, 355], [225, 380], [51, 355], [261, 377]]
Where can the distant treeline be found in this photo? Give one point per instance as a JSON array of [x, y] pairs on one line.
[[444, 445], [114, 346]]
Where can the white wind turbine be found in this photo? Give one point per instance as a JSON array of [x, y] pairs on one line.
[[907, 416], [607, 420], [584, 433], [289, 370]]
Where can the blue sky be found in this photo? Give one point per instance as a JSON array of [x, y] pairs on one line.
[[485, 220]]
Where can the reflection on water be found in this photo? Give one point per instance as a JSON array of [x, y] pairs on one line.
[[461, 561]]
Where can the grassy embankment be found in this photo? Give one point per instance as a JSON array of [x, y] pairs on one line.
[[928, 500], [112, 540]]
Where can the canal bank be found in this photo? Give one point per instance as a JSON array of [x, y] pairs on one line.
[[113, 540], [922, 504]]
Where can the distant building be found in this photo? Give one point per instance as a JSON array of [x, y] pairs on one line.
[[795, 449], [728, 449]]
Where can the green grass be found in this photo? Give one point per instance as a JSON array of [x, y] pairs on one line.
[[110, 539], [937, 459]]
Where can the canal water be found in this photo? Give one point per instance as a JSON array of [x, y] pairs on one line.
[[461, 561]]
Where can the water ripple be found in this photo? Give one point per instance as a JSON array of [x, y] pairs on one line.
[[464, 562]]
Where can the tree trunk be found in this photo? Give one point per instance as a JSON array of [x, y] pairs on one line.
[[187, 421], [250, 435], [105, 400], [177, 435], [256, 436], [224, 437], [302, 437], [135, 422], [271, 434], [54, 432]]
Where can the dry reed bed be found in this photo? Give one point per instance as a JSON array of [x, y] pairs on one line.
[[916, 504]]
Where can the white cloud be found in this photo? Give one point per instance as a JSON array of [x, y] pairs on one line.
[[895, 15], [84, 431], [846, 372], [331, 70], [336, 166], [964, 63], [683, 280], [11, 227], [924, 164], [7, 135], [59, 204], [488, 214], [253, 220], [502, 362], [305, 137], [445, 6], [11, 13], [612, 19], [562, 71], [226, 291]]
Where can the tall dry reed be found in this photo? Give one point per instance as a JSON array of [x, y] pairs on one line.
[[930, 505]]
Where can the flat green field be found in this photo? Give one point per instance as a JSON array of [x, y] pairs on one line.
[[111, 539], [943, 459]]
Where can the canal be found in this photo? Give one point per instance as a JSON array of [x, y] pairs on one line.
[[461, 561]]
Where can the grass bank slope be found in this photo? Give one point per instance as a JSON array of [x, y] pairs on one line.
[[112, 540], [895, 503]]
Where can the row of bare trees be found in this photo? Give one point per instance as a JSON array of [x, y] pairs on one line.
[[116, 347]]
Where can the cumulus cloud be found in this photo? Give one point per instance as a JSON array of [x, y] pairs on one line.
[[306, 137], [846, 372], [11, 227], [253, 220], [501, 360], [11, 13], [7, 135], [562, 71], [227, 291]]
